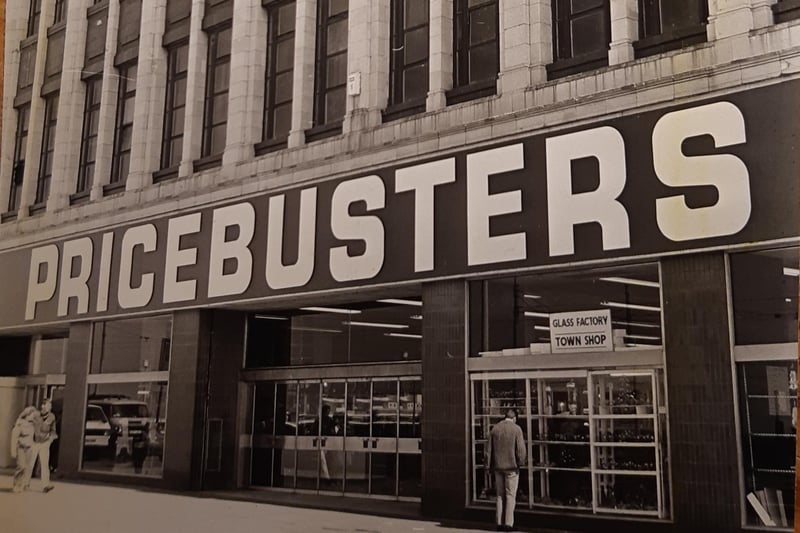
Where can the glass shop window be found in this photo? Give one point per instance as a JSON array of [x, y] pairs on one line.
[[512, 315], [765, 288], [134, 345], [387, 330]]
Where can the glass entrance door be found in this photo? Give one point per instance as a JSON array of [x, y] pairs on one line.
[[358, 437]]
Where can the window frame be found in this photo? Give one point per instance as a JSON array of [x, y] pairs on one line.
[[573, 64], [60, 11], [34, 14], [43, 176], [463, 88], [398, 106], [20, 150], [659, 41], [125, 97], [167, 165], [274, 39], [321, 127], [213, 62], [91, 109]]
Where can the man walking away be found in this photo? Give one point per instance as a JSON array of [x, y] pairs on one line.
[[506, 454], [43, 436]]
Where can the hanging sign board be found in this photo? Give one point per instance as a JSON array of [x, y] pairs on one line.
[[581, 331]]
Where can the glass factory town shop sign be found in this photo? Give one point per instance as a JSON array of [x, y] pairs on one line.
[[704, 174]]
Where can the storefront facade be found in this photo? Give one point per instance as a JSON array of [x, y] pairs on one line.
[[610, 249]]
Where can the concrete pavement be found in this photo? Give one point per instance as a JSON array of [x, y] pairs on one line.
[[87, 508]]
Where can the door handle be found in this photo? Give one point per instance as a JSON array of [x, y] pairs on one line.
[[419, 444], [366, 443], [314, 442], [374, 443], [322, 441]]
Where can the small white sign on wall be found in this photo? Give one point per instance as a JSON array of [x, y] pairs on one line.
[[581, 331]]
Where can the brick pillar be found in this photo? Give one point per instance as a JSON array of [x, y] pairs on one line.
[[227, 349], [248, 71], [624, 30], [184, 419], [195, 89], [108, 105], [441, 54], [527, 41], [699, 374], [15, 27], [444, 392], [72, 423], [368, 58], [150, 96], [305, 38]]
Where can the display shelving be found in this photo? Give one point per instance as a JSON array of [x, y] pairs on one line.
[[593, 439]]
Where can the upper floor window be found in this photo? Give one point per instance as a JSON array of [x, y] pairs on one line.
[[91, 120], [15, 195], [33, 17], [669, 24], [60, 11], [476, 52], [175, 106], [48, 146], [217, 85], [123, 129], [280, 71], [408, 59], [331, 77], [581, 35]]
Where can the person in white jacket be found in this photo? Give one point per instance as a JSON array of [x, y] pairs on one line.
[[22, 449]]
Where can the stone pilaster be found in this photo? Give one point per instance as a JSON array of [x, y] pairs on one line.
[[305, 38], [368, 59], [150, 95], [248, 71], [108, 106], [527, 44], [195, 89], [441, 54], [624, 30]]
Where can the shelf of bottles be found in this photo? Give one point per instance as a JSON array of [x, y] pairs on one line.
[[599, 452]]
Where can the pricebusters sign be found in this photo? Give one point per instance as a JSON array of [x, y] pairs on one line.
[[701, 175]]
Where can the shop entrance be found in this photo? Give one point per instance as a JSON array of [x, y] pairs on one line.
[[358, 437]]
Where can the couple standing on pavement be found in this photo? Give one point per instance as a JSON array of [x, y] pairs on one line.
[[31, 437], [505, 455]]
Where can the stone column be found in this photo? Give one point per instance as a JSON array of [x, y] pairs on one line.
[[71, 103], [440, 54], [728, 18], [624, 30], [195, 89], [108, 106], [248, 71], [305, 38], [368, 60], [149, 102], [527, 44], [33, 151], [16, 26]]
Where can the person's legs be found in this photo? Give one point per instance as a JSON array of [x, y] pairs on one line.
[[44, 463], [30, 461], [500, 490], [22, 469], [511, 484]]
